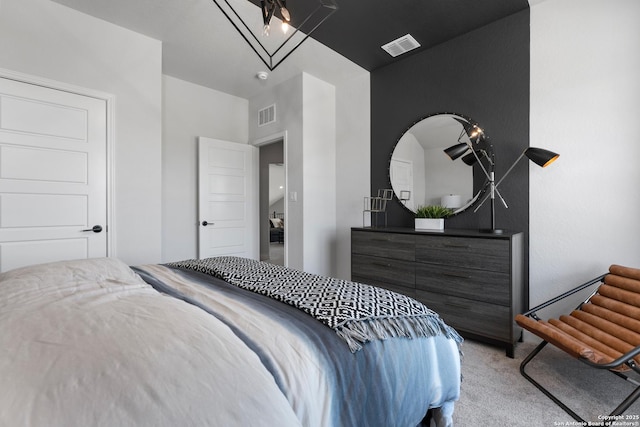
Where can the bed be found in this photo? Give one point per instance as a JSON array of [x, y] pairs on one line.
[[276, 228], [95, 342]]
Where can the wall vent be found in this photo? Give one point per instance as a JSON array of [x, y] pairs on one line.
[[401, 45], [267, 115]]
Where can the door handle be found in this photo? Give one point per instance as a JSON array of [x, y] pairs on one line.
[[205, 223], [95, 229]]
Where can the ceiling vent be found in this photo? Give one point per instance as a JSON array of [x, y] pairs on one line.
[[401, 45], [267, 115]]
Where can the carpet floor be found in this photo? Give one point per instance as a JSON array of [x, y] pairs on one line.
[[493, 392]]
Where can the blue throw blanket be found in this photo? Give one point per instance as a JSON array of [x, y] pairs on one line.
[[355, 311]]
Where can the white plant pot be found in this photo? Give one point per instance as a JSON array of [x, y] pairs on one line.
[[429, 223]]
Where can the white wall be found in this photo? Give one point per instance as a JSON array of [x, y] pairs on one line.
[[287, 97], [189, 111], [277, 206], [328, 163], [319, 175], [353, 163], [154, 145], [45, 39], [301, 119], [585, 105]]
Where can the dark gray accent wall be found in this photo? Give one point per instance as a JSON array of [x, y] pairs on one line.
[[483, 75]]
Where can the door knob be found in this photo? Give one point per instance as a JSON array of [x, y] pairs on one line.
[[95, 229], [205, 223]]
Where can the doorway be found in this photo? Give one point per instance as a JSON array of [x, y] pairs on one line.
[[272, 202]]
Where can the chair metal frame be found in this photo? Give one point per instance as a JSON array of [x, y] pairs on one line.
[[626, 359]]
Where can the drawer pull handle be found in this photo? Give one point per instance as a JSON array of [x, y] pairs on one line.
[[452, 304], [381, 264], [451, 245], [458, 275], [377, 239]]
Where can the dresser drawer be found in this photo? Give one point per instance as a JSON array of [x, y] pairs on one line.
[[388, 245], [488, 320], [399, 288], [485, 254], [392, 271], [488, 286]]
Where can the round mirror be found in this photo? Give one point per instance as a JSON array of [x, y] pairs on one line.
[[422, 174]]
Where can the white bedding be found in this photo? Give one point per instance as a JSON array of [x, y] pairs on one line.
[[88, 343]]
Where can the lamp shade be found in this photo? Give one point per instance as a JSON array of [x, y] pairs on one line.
[[473, 131], [469, 159], [540, 156], [457, 150]]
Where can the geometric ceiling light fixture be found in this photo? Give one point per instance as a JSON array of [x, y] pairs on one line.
[[268, 9], [254, 21]]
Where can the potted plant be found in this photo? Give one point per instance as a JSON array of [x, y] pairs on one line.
[[432, 217]]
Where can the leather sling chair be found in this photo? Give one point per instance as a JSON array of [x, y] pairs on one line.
[[603, 331]]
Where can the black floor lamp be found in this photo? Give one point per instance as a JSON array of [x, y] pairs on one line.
[[539, 156]]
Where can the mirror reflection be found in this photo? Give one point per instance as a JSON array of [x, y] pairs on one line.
[[422, 174]]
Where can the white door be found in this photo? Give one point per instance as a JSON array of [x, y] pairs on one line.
[[227, 205], [401, 172], [53, 175]]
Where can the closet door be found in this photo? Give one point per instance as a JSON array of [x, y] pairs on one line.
[[53, 175]]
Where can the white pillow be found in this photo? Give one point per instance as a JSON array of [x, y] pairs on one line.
[[96, 272], [276, 222]]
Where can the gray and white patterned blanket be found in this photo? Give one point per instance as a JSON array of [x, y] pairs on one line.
[[357, 312]]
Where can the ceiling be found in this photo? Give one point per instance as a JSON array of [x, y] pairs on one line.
[[200, 45], [361, 27]]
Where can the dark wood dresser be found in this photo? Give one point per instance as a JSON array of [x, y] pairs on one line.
[[474, 280]]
